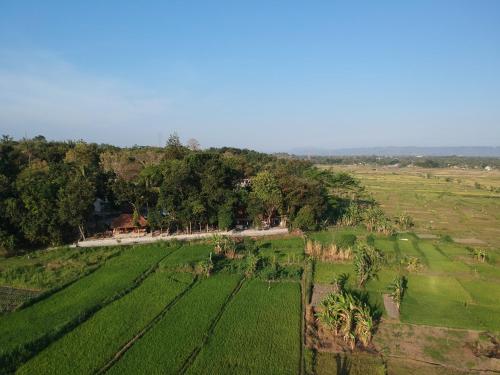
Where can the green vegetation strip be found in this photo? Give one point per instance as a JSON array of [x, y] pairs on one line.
[[258, 334], [166, 347], [87, 348], [23, 333]]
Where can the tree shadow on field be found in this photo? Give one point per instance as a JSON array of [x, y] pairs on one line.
[[344, 365]]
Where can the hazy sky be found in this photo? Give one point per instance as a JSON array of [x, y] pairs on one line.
[[269, 75]]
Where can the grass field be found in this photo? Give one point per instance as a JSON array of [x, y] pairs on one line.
[[258, 334], [442, 201], [166, 348], [26, 331]]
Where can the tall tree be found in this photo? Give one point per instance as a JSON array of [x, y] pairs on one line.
[[266, 191]]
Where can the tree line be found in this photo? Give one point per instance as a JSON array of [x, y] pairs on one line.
[[48, 189]]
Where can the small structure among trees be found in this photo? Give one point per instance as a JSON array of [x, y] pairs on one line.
[[128, 223]]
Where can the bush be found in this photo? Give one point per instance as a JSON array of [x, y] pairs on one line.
[[305, 219]]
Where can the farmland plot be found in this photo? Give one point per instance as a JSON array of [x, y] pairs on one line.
[[24, 332], [166, 348], [259, 333], [92, 344]]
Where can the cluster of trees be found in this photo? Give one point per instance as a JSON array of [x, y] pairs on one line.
[[47, 189], [405, 161]]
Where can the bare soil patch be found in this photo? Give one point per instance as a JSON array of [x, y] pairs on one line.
[[390, 307], [320, 291], [464, 349]]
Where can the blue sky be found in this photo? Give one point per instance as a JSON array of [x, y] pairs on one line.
[[269, 75]]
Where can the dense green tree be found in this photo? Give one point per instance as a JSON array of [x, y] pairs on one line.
[[305, 220], [47, 189], [75, 202], [267, 193]]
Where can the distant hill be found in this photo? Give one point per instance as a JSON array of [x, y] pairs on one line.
[[401, 151]]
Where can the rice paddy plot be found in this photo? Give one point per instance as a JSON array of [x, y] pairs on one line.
[[324, 273], [187, 256], [24, 332], [170, 343], [288, 250], [439, 262], [407, 249], [439, 301], [259, 333], [92, 344]]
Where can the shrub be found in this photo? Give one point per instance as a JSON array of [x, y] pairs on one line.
[[348, 317], [397, 290], [305, 219], [413, 264], [367, 263]]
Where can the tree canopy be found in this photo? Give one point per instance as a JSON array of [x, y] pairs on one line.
[[48, 189]]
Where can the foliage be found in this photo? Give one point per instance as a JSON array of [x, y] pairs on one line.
[[266, 193], [250, 245], [480, 255], [251, 264], [404, 221], [397, 290], [204, 267], [348, 317], [413, 264], [339, 282], [305, 219], [47, 189], [376, 221], [367, 263], [224, 245]]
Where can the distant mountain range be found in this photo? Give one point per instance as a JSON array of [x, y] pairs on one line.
[[401, 151]]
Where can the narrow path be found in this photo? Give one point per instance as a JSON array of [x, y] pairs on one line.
[[182, 237], [148, 327], [192, 357]]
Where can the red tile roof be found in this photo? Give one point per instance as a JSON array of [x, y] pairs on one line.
[[126, 221]]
